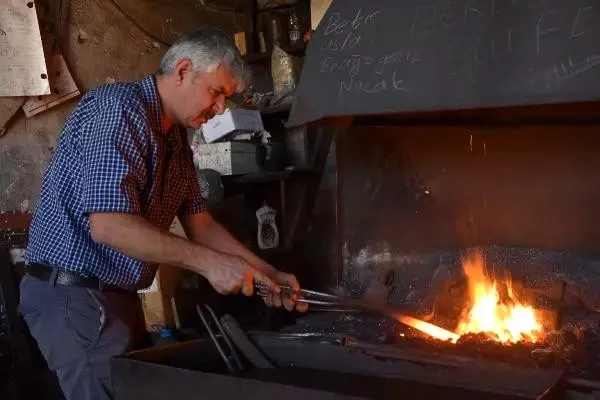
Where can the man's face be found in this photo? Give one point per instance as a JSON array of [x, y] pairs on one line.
[[202, 95]]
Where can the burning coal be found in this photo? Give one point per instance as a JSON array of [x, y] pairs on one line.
[[502, 318], [493, 310]]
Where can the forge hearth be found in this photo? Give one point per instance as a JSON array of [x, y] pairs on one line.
[[322, 368], [558, 288], [333, 355]]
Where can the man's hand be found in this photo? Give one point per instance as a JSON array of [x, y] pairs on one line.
[[232, 274], [277, 299], [202, 228]]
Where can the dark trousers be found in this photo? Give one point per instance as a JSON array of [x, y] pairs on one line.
[[78, 331]]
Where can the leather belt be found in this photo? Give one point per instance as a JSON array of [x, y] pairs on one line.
[[57, 276]]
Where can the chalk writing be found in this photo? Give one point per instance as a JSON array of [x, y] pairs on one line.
[[561, 72], [353, 64], [541, 28], [345, 34], [429, 20], [450, 54], [395, 58], [583, 15], [467, 53], [337, 25], [569, 69], [347, 42], [350, 65], [378, 84], [471, 53]]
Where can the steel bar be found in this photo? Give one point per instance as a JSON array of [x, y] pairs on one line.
[[226, 338], [213, 337]]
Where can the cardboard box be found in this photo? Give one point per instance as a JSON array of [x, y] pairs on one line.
[[156, 300], [233, 120], [228, 158]]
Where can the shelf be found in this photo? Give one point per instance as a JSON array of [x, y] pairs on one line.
[[298, 51], [282, 108], [266, 177], [285, 107]]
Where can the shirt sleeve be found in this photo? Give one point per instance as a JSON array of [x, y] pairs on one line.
[[113, 154], [194, 203]]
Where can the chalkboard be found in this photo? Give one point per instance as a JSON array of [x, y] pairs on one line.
[[391, 56]]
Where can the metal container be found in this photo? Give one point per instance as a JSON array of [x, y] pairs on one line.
[[312, 370]]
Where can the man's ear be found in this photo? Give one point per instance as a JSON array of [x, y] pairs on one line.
[[182, 69]]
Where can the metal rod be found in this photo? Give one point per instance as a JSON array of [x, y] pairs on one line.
[[335, 309], [318, 294], [305, 292], [226, 338], [318, 302], [215, 341], [311, 301], [584, 383]]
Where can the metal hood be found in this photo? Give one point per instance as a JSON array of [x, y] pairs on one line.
[[389, 56]]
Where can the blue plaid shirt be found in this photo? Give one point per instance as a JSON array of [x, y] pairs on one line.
[[112, 156]]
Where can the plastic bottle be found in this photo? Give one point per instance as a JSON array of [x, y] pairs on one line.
[[166, 337]]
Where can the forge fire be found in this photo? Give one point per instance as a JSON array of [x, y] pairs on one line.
[[493, 309], [505, 318]]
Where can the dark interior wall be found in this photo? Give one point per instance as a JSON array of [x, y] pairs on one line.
[[420, 189], [315, 257]]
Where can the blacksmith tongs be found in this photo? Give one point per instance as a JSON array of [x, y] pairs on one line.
[[304, 295]]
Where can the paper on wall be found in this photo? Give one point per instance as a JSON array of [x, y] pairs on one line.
[[22, 65], [63, 88]]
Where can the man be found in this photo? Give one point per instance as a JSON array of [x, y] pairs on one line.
[[121, 172]]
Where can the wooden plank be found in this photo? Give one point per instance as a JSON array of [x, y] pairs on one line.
[[63, 88]]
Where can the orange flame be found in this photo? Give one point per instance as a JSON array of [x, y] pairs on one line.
[[504, 320]]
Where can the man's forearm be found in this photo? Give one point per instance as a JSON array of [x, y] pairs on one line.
[[135, 237], [202, 228]]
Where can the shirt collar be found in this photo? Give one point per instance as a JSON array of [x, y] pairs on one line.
[[152, 102]]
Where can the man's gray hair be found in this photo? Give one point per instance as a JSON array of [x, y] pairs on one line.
[[207, 48]]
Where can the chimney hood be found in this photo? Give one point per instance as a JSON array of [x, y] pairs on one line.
[[387, 57]]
